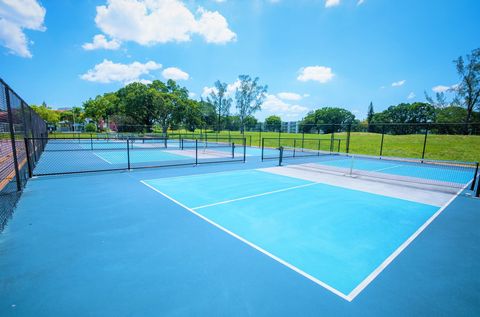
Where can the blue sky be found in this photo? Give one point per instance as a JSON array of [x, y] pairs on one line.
[[311, 53]]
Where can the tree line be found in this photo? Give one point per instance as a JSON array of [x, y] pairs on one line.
[[159, 106]]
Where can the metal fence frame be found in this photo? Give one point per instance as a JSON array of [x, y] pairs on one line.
[[17, 122]]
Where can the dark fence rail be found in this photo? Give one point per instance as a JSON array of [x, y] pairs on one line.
[[85, 155], [17, 122]]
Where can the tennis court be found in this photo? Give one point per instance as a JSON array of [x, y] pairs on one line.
[[291, 220], [323, 234]]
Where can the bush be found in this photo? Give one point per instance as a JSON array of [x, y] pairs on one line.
[[91, 127]]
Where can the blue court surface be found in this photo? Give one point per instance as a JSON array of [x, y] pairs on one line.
[[457, 174], [233, 240]]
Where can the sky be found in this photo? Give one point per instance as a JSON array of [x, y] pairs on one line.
[[310, 53]]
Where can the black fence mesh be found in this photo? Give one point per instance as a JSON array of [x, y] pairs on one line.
[[81, 155], [17, 122]]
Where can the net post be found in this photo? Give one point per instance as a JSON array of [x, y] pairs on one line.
[[263, 146], [196, 151], [318, 147], [280, 157], [233, 150], [294, 146], [475, 177], [351, 165], [12, 138], [91, 142], [128, 153], [29, 163], [181, 144], [303, 138], [477, 194], [245, 150], [165, 141]]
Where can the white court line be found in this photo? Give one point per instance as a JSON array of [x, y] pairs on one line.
[[360, 287], [100, 157], [387, 168], [290, 266], [256, 195], [399, 250]]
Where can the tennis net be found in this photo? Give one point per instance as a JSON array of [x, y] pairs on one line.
[[437, 175]]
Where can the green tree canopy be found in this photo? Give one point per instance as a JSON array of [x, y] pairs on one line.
[[273, 123]]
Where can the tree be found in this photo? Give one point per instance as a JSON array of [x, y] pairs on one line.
[[468, 90], [327, 119], [370, 115], [46, 113], [249, 97], [138, 103], [273, 123], [219, 99]]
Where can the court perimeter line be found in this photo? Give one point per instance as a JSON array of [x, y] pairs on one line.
[[360, 287], [387, 168], [256, 195], [290, 266], [103, 158]]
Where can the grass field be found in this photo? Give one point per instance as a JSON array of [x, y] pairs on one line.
[[439, 147]]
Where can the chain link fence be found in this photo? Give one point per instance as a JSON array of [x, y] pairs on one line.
[[17, 122]]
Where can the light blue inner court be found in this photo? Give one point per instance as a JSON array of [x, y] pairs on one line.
[[139, 156], [339, 236], [450, 174]]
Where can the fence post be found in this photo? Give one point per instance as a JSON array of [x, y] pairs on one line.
[[475, 177], [196, 151], [263, 145], [303, 139], [260, 137], [128, 153], [349, 130], [294, 146], [29, 163], [425, 142], [381, 144], [332, 138], [12, 137], [233, 150], [245, 150]]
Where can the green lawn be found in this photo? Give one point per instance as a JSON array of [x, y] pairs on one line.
[[440, 147]]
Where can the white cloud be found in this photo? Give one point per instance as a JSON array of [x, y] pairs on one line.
[[289, 96], [411, 95], [175, 74], [306, 95], [360, 2], [274, 105], [149, 22], [442, 88], [101, 42], [214, 27], [192, 94], [331, 3], [398, 83], [15, 16], [107, 72], [321, 74]]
